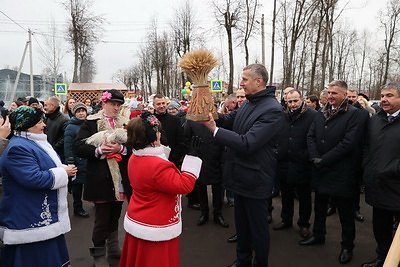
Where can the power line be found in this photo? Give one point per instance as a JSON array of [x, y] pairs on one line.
[[13, 21]]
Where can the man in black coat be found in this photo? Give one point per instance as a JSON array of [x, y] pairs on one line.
[[333, 146], [249, 169], [56, 123], [294, 166], [210, 153], [382, 171], [99, 187]]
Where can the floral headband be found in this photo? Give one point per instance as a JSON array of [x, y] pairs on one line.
[[150, 119], [151, 125]]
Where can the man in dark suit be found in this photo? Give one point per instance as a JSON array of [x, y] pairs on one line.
[[294, 166], [333, 144], [382, 172], [251, 162]]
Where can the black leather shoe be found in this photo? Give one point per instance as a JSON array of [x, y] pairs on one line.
[[281, 226], [358, 216], [232, 239], [82, 213], [330, 211], [202, 220], [220, 220], [345, 255], [312, 240], [375, 263], [239, 264], [195, 206]]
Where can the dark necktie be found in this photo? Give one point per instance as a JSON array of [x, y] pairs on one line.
[[390, 118]]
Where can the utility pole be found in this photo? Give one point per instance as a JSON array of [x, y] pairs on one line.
[[262, 40], [30, 60], [28, 43], [271, 71]]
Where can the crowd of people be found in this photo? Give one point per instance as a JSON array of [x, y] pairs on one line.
[[332, 145]]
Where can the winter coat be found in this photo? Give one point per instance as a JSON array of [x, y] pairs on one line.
[[73, 127], [294, 166], [99, 185], [335, 139], [210, 153], [382, 163], [154, 212], [34, 203], [55, 127], [172, 136], [251, 158]]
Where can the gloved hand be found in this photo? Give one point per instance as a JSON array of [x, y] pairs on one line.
[[194, 146], [319, 164]]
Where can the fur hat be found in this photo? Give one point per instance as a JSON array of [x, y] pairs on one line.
[[77, 106], [32, 100], [112, 95], [25, 117]]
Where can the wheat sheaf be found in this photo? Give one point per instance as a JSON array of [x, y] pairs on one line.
[[197, 65]]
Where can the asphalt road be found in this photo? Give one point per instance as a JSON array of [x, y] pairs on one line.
[[206, 245]]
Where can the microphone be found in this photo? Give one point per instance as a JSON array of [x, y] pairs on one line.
[[71, 161]]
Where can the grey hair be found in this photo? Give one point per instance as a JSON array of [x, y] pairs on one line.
[[54, 100], [341, 84], [395, 86], [258, 71], [324, 93]]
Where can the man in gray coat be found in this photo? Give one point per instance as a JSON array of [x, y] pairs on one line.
[[250, 134], [382, 171]]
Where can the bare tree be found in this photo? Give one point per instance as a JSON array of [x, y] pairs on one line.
[[183, 28], [300, 14], [231, 11], [84, 31], [52, 52], [247, 25], [390, 20], [145, 66]]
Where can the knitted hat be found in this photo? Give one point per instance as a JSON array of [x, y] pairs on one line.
[[112, 95], [32, 100], [77, 106], [25, 117], [175, 104]]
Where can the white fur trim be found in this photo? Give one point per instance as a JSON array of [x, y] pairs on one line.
[[158, 151], [60, 177], [192, 164], [152, 232], [36, 234]]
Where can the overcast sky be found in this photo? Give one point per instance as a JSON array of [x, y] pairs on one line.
[[127, 24]]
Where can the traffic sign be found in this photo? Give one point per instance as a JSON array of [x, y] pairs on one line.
[[60, 89], [216, 86]]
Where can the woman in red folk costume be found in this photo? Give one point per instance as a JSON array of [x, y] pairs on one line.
[[153, 219]]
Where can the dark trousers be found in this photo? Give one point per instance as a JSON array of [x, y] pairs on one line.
[[304, 194], [252, 230], [77, 190], [216, 199], [193, 197], [106, 219], [346, 216], [382, 223]]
